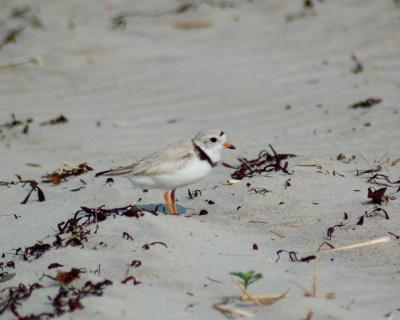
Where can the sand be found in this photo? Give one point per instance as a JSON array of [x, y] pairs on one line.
[[265, 72]]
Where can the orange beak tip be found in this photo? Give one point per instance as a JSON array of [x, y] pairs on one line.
[[229, 145]]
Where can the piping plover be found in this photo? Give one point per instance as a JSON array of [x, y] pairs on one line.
[[176, 166]]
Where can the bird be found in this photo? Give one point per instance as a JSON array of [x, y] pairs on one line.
[[177, 165]]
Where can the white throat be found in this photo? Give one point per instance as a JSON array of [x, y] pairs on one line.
[[214, 155]]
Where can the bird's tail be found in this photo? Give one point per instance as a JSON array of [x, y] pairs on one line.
[[121, 171]]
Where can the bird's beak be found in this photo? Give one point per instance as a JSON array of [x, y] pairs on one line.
[[229, 145]]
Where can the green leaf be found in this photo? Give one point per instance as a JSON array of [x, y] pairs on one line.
[[248, 277]]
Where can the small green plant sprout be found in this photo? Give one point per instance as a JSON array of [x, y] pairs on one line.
[[248, 277]]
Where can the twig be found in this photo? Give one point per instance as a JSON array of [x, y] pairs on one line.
[[22, 61], [262, 299], [314, 292], [358, 245], [247, 294], [315, 277], [119, 21], [230, 311]]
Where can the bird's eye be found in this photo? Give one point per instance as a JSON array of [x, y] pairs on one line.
[[213, 139]]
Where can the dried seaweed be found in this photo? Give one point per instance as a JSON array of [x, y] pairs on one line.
[[340, 157], [131, 278], [26, 14], [34, 187], [8, 265], [16, 123], [377, 196], [363, 172], [326, 244], [60, 175], [358, 68], [76, 241], [89, 216], [308, 258], [288, 183], [259, 190], [74, 232], [203, 212], [377, 212], [5, 276], [15, 182], [374, 176], [37, 250], [337, 173], [394, 235], [77, 189], [12, 297], [109, 181], [11, 36], [367, 103], [135, 263], [67, 277], [26, 18], [67, 299], [4, 183], [146, 246], [194, 194], [264, 163], [331, 230], [308, 4], [58, 120], [360, 220], [293, 256], [126, 236], [306, 11], [19, 12], [383, 180]]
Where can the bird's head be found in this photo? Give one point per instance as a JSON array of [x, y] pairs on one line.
[[212, 142]]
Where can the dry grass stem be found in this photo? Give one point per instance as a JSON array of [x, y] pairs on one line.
[[260, 300], [358, 245], [22, 61], [195, 24], [314, 291], [230, 311], [315, 277]]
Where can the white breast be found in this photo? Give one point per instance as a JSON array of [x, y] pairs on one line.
[[195, 170]]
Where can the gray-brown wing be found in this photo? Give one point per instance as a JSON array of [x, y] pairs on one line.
[[163, 161]]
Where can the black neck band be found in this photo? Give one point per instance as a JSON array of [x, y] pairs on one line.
[[202, 155]]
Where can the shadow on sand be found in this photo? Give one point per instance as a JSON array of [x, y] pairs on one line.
[[162, 209]]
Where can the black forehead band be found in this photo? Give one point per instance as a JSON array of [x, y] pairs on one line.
[[221, 134]]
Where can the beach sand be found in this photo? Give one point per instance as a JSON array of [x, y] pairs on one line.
[[267, 73]]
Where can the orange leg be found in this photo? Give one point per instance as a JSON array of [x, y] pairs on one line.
[[173, 201], [166, 197]]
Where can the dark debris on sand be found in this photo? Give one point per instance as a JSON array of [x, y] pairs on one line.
[[264, 163]]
